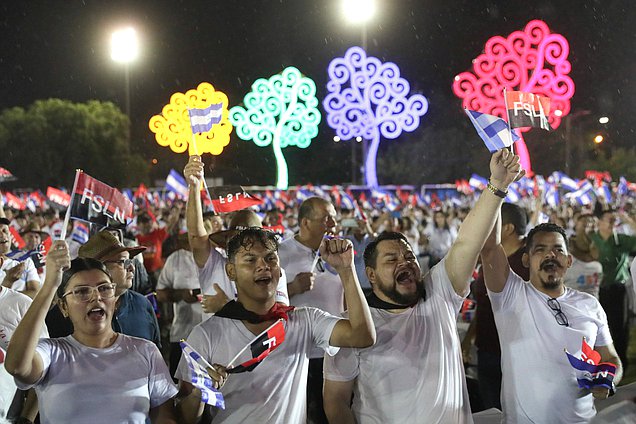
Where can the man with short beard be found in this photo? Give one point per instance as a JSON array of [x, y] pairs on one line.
[[536, 321], [414, 373]]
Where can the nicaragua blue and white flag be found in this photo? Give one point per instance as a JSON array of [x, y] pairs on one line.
[[622, 188], [477, 182], [177, 184], [492, 129], [201, 120], [566, 182], [200, 377], [513, 193], [552, 196], [346, 202]]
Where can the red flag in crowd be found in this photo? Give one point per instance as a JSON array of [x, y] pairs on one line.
[[259, 348], [58, 196], [527, 110], [232, 198], [19, 241], [14, 201], [98, 203], [5, 175]]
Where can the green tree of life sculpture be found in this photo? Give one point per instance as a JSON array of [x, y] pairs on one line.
[[281, 111]]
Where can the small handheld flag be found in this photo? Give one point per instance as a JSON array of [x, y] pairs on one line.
[[527, 110], [493, 130], [232, 198], [259, 348], [177, 184], [201, 120], [590, 372], [200, 377]]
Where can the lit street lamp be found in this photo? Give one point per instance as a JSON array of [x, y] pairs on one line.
[[124, 48], [598, 139]]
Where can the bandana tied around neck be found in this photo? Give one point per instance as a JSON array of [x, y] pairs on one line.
[[235, 310]]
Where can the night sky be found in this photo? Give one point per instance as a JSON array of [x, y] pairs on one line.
[[60, 49]]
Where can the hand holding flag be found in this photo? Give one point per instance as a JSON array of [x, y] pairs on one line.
[[205, 377], [592, 374]]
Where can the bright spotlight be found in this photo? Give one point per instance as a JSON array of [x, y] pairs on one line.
[[124, 46], [598, 139], [603, 120], [358, 11]]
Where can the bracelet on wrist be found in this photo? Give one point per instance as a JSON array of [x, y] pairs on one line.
[[496, 191]]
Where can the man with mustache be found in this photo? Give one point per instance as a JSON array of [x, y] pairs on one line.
[[536, 320], [414, 373]]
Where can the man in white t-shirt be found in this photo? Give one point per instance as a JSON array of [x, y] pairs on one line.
[[274, 391], [312, 282], [177, 281], [13, 306], [19, 276], [216, 288], [414, 373], [586, 272], [536, 321]]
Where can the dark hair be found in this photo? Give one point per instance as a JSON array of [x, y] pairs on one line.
[[547, 227], [371, 251], [515, 215], [246, 239], [79, 265]]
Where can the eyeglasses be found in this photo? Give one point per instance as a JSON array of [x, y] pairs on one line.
[[560, 317], [85, 293], [126, 263]]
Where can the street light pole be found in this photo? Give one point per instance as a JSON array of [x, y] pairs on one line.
[[359, 12], [124, 48]]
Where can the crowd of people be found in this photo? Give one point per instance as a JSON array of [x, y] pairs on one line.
[[413, 314]]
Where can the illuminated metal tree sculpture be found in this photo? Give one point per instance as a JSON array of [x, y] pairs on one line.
[[281, 111], [368, 99], [533, 60], [172, 127]]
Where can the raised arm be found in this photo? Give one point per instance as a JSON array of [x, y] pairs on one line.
[[494, 261], [22, 361], [462, 257], [358, 330], [197, 235]]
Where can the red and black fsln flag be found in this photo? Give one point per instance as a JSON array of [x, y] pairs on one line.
[[528, 110]]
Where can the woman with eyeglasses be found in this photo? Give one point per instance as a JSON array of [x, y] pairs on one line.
[[95, 374]]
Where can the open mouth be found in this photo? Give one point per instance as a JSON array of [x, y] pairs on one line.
[[550, 266], [405, 277], [264, 280], [96, 314]]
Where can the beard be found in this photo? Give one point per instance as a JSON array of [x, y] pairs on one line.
[[391, 291]]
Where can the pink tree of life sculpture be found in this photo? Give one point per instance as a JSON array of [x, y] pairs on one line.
[[533, 60]]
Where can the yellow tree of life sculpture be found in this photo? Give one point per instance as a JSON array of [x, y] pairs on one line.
[[172, 127]]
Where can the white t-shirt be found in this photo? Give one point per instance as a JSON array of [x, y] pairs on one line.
[[180, 272], [30, 273], [118, 384], [584, 276], [214, 272], [440, 240], [327, 293], [414, 372], [275, 391], [13, 306], [539, 384]]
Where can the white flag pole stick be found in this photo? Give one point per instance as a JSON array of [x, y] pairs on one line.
[[67, 217], [512, 150]]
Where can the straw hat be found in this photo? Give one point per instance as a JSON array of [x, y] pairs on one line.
[[103, 245]]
